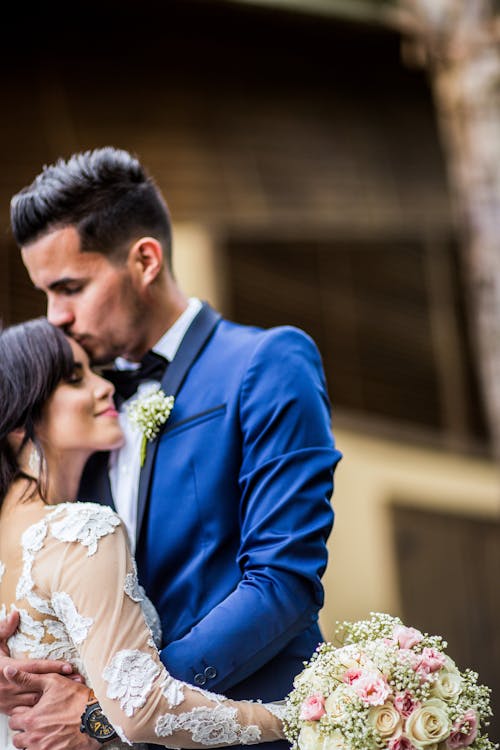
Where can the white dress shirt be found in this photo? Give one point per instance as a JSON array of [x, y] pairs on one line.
[[124, 464]]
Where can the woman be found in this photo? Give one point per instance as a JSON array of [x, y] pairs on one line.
[[66, 566]]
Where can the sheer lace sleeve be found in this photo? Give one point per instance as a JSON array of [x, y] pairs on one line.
[[89, 576]]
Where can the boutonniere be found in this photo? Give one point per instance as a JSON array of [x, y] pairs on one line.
[[149, 411]]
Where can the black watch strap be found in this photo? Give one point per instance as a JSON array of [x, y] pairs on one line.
[[94, 723]]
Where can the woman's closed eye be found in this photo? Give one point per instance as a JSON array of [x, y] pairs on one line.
[[76, 376]]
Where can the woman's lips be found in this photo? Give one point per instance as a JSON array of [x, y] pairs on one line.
[[109, 412]]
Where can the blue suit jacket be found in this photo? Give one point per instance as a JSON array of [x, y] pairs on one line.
[[234, 507]]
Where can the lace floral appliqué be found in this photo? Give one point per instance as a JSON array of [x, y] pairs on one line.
[[209, 726], [76, 625], [130, 676], [83, 522]]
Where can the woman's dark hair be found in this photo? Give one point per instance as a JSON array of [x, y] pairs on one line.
[[34, 358], [105, 193]]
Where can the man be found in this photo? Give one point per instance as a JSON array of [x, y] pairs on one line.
[[229, 513]]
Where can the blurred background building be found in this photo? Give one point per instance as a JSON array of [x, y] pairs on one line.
[[306, 159]]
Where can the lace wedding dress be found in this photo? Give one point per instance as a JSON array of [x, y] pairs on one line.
[[68, 571]]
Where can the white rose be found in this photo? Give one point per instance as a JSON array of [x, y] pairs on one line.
[[309, 678], [309, 738], [385, 720], [429, 724], [448, 685], [450, 665], [304, 677], [335, 741], [338, 701]]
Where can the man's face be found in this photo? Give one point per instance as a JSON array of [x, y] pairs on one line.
[[91, 299]]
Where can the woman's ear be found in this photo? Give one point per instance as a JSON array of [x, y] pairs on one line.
[[15, 439], [145, 260]]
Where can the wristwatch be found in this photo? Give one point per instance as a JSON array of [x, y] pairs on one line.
[[94, 723]]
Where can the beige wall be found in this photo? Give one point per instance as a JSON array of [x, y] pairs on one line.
[[361, 575], [198, 263]]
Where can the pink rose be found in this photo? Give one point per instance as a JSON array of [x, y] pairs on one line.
[[313, 708], [372, 689], [400, 743], [430, 661], [352, 674], [405, 703], [406, 637], [464, 731]]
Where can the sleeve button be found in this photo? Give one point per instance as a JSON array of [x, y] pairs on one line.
[[200, 679], [210, 673]]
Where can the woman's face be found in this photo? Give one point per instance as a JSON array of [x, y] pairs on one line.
[[80, 415]]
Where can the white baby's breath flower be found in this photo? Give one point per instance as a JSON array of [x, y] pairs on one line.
[[148, 412]]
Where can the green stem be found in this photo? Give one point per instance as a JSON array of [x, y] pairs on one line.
[[144, 445]]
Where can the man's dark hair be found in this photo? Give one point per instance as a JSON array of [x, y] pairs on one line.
[[34, 358], [106, 194]]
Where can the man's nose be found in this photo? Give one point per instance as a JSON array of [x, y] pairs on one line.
[[59, 312]]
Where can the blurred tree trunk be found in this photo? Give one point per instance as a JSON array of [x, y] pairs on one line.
[[457, 40]]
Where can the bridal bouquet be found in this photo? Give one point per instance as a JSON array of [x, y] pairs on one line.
[[386, 686]]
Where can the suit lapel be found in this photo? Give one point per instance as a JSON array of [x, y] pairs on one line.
[[193, 342]]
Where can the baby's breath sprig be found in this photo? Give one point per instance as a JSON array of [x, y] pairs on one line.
[[149, 411]]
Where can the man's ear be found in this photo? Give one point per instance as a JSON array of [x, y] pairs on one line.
[[145, 260]]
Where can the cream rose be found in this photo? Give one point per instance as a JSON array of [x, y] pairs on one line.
[[335, 741], [313, 681], [447, 686], [385, 720], [338, 701], [429, 724], [309, 738]]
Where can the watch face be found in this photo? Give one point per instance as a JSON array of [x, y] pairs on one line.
[[98, 725]]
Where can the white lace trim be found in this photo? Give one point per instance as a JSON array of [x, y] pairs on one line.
[[130, 676], [153, 621], [209, 726], [121, 734], [131, 587], [85, 523], [32, 542], [76, 625], [173, 690], [135, 591], [277, 708], [210, 696]]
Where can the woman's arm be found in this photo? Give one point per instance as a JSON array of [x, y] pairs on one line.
[[92, 586]]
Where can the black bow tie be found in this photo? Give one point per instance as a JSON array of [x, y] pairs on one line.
[[126, 382]]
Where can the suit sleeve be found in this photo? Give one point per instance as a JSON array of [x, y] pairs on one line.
[[286, 482]]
